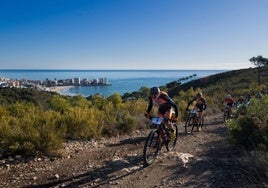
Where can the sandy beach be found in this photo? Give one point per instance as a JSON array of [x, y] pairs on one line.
[[59, 89]]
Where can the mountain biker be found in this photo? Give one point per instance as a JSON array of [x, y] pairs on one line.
[[230, 102], [165, 105], [200, 106], [259, 95], [240, 102]]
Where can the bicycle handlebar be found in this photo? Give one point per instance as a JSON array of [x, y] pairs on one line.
[[148, 116]]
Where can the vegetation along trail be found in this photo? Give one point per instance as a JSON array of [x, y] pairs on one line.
[[203, 159], [98, 142]]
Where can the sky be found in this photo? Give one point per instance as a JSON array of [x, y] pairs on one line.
[[132, 34]]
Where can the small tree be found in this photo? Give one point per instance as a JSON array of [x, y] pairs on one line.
[[259, 61], [116, 99]]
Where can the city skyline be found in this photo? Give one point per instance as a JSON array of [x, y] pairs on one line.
[[133, 34]]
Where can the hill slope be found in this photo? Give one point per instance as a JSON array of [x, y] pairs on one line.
[[204, 159], [227, 81]]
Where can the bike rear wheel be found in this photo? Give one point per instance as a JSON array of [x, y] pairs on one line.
[[189, 125], [151, 147], [172, 143]]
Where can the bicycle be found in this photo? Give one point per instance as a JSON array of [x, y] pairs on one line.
[[229, 113], [192, 121], [158, 137], [226, 114]]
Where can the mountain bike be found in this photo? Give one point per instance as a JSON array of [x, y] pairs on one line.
[[192, 121], [229, 113], [157, 138], [226, 114]]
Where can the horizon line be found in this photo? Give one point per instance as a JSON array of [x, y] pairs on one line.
[[57, 69]]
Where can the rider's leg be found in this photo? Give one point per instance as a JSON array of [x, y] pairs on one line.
[[200, 118], [169, 124], [229, 109], [167, 117]]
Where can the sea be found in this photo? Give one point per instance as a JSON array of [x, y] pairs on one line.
[[122, 81]]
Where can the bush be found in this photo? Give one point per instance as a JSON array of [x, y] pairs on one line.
[[30, 133], [126, 122], [250, 130], [59, 104], [83, 123], [255, 164]]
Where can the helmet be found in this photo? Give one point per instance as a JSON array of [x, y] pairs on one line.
[[199, 94], [229, 96], [154, 91]]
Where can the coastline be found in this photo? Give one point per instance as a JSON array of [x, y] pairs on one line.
[[122, 81], [60, 89]]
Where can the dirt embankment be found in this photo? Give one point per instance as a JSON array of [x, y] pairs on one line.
[[203, 159]]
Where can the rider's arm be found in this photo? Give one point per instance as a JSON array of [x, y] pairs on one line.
[[189, 103], [204, 104], [173, 104], [176, 110], [233, 101], [150, 106]]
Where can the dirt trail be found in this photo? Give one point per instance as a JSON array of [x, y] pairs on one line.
[[203, 159]]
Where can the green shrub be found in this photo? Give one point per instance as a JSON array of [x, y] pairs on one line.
[[20, 109], [250, 130], [31, 133], [83, 123], [115, 99], [126, 122], [79, 101], [59, 104], [51, 131], [135, 107]]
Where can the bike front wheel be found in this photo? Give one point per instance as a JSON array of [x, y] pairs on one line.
[[225, 116], [189, 125], [151, 147]]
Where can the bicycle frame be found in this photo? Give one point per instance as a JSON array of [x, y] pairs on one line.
[[193, 120], [156, 139], [157, 123]]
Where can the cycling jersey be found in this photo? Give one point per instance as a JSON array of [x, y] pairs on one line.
[[201, 104], [165, 104], [229, 102]]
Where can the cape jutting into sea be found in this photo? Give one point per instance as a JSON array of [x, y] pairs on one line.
[[122, 81]]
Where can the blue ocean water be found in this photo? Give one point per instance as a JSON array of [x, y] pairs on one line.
[[122, 81]]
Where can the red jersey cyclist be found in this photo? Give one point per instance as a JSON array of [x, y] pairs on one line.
[[165, 105], [230, 102], [200, 106]]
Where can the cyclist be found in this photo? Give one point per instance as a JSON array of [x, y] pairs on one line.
[[259, 95], [240, 102], [200, 106], [165, 105], [230, 102]]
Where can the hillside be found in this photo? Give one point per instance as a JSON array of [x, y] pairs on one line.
[[227, 81], [203, 159]]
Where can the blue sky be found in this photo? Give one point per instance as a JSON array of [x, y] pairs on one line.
[[132, 34]]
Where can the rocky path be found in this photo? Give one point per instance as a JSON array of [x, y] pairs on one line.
[[203, 159]]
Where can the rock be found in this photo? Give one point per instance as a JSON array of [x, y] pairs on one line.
[[57, 176]]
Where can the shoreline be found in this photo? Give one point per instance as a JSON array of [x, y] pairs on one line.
[[60, 89]]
